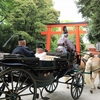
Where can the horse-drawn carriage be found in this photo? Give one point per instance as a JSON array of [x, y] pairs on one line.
[[20, 77]]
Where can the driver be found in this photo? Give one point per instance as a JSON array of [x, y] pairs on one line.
[[64, 44]]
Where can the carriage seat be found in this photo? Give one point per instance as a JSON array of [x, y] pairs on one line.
[[61, 55], [35, 62], [16, 58]]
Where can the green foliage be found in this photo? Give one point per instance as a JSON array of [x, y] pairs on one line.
[[72, 37], [27, 17], [90, 10], [5, 7], [85, 7], [54, 42]]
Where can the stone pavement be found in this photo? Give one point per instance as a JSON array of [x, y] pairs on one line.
[[62, 93]]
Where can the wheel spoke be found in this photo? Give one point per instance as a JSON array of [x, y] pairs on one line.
[[22, 83], [52, 87], [8, 98], [4, 93], [74, 90], [23, 89], [6, 85], [18, 82], [25, 94], [79, 92], [12, 82]]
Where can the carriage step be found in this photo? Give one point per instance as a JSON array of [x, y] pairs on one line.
[[45, 98], [37, 95]]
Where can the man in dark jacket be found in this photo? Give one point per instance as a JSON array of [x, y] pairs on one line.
[[22, 49]]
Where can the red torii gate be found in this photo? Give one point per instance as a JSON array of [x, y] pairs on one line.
[[77, 31]]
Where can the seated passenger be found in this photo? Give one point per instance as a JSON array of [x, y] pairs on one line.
[[64, 44], [22, 49], [41, 53]]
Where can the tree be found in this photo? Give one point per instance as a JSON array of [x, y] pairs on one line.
[[85, 7], [90, 10], [30, 17], [5, 7]]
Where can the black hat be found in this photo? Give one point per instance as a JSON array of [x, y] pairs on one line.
[[40, 45], [65, 30], [20, 37]]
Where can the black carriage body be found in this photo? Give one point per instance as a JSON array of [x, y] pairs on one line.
[[44, 72], [31, 72]]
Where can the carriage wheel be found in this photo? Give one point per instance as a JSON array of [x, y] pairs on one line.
[[77, 86], [52, 87], [2, 86], [18, 83]]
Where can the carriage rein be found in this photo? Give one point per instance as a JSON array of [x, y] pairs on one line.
[[84, 60]]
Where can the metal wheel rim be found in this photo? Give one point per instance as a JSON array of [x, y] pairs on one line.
[[77, 86], [15, 81], [52, 87]]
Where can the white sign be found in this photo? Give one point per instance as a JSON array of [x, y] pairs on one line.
[[98, 46]]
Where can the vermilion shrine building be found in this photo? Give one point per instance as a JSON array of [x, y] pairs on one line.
[[77, 32]]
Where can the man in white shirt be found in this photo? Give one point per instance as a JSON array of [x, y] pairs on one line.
[[40, 53]]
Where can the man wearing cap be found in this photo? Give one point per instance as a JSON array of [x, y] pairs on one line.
[[22, 48], [40, 51], [64, 44]]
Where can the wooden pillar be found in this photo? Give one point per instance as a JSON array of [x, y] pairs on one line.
[[77, 40], [48, 39], [48, 34]]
